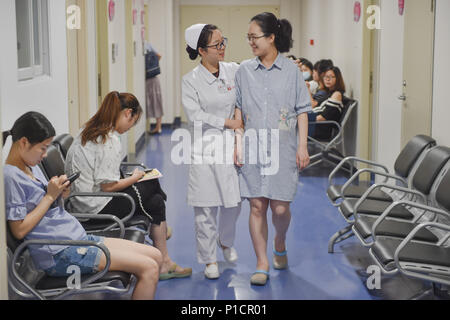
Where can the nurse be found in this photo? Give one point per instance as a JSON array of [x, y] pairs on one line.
[[208, 98], [273, 101]]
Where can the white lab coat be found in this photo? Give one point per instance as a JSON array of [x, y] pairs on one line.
[[211, 100]]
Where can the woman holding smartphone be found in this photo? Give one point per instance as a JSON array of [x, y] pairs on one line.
[[272, 99]]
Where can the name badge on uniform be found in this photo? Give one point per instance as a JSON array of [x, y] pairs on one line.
[[225, 87]]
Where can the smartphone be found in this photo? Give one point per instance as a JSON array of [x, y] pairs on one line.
[[74, 177]]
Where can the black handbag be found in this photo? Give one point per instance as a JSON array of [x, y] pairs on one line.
[[152, 68]]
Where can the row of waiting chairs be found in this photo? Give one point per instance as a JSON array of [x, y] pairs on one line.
[[29, 283], [403, 220]]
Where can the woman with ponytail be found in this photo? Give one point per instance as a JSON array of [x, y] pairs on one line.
[[271, 95], [97, 154], [34, 212]]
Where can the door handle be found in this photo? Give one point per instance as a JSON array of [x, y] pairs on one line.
[[402, 97]]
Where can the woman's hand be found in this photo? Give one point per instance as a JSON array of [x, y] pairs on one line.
[[56, 186], [302, 158], [66, 193], [238, 157], [137, 174], [234, 124]]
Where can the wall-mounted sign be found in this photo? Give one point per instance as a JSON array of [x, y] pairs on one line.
[[134, 16], [401, 7], [143, 34], [111, 9], [357, 11]]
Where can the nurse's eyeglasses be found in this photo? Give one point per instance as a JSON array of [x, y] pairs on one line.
[[221, 45]]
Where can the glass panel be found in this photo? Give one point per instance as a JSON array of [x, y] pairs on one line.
[[37, 32], [23, 33]]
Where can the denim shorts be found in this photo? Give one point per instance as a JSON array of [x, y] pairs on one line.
[[86, 258]]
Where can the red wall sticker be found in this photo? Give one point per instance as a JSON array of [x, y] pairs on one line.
[[357, 11], [401, 7], [143, 34], [134, 16], [111, 9]]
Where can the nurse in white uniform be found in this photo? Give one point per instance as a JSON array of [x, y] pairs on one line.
[[208, 97]]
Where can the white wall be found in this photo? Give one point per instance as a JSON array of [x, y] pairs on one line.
[[390, 84], [441, 104], [48, 95]]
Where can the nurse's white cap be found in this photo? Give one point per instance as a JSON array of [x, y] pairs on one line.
[[192, 34]]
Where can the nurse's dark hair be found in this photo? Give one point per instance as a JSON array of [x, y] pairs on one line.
[[281, 28], [205, 37], [33, 126]]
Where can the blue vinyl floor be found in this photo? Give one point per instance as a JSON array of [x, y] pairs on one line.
[[313, 273]]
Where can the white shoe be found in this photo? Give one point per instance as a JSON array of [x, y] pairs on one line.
[[230, 254], [212, 271]]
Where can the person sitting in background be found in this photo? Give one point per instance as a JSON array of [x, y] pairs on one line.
[[306, 67], [330, 109], [97, 154], [321, 94], [34, 212]]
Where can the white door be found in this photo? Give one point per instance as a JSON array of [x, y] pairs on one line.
[[417, 68]]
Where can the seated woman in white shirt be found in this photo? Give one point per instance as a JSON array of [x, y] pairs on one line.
[[97, 154]]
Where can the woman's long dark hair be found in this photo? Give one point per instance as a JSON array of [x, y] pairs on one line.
[[32, 125], [203, 40], [106, 117], [282, 30]]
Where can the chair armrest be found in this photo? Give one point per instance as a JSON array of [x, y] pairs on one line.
[[326, 122], [323, 123], [411, 236], [108, 195], [379, 186], [91, 279], [353, 159], [424, 207], [379, 173], [91, 216]]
